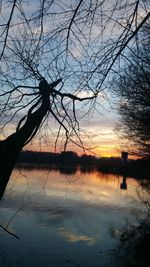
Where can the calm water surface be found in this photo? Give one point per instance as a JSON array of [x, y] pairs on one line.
[[66, 220]]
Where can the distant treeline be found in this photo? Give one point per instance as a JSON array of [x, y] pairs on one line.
[[68, 157], [69, 161]]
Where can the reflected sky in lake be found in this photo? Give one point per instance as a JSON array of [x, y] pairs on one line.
[[66, 220]]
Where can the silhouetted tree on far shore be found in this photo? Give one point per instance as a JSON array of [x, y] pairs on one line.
[[133, 89]]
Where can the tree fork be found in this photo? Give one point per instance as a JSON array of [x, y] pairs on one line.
[[13, 144]]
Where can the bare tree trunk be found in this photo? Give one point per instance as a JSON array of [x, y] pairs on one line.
[[13, 144]]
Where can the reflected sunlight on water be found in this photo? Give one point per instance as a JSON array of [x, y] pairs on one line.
[[66, 220]]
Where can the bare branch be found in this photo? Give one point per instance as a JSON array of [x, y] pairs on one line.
[[7, 28]]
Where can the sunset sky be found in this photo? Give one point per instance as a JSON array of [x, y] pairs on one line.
[[82, 52], [96, 132]]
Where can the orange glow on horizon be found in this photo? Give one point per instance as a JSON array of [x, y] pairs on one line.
[[100, 151], [106, 151]]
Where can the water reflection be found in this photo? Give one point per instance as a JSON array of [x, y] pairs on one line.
[[123, 184], [63, 219]]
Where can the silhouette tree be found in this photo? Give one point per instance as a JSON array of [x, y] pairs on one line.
[[73, 45], [133, 89]]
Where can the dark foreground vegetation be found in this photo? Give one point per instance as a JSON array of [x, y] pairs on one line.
[[69, 161], [134, 246]]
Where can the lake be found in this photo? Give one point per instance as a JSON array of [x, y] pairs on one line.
[[65, 218]]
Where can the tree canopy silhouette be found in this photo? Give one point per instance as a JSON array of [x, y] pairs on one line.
[[74, 45], [133, 89]]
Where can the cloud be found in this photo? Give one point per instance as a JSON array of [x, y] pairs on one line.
[[76, 237]]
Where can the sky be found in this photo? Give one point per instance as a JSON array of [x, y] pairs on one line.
[[80, 49], [97, 131]]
